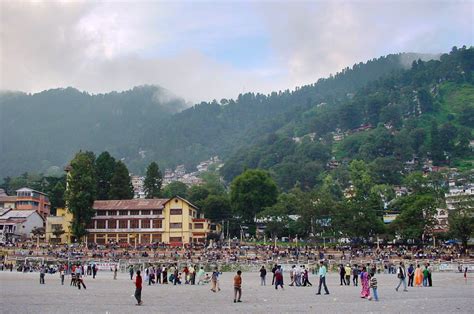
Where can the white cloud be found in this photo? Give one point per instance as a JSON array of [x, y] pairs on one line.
[[100, 47]]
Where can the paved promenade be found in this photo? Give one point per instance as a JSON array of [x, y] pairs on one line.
[[22, 293]]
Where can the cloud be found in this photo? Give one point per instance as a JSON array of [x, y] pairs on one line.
[[202, 50]]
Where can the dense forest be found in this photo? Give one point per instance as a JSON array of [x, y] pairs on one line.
[[41, 132]]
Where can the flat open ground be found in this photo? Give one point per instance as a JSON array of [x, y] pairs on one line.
[[22, 293]]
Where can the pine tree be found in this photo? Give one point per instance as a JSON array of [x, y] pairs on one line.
[[81, 192], [105, 166], [120, 185], [153, 181]]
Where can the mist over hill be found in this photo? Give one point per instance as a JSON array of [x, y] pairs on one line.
[[44, 130]]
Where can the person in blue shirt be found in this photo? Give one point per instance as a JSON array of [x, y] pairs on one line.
[[322, 278]]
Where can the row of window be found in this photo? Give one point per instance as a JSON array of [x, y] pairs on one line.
[[135, 223], [35, 204], [173, 211]]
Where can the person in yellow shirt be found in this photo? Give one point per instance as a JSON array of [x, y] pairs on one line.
[[238, 286], [348, 270]]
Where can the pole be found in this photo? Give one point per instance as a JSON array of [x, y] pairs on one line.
[[378, 245]]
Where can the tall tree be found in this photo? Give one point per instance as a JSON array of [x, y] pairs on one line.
[[251, 192], [120, 185], [175, 188], [104, 167], [153, 181], [216, 207], [436, 146], [81, 192], [461, 220]]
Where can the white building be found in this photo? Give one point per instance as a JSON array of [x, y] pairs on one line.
[[15, 224]]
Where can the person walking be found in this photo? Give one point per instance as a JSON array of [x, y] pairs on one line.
[[411, 275], [214, 281], [373, 285], [401, 274], [292, 275], [278, 277], [273, 271], [364, 280], [322, 278], [138, 288], [306, 282], [263, 275], [238, 287]]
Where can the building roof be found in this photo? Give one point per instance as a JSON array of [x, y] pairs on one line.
[[25, 189], [15, 213], [7, 199], [156, 203], [184, 200]]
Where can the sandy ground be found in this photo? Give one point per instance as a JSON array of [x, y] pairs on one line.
[[22, 293]]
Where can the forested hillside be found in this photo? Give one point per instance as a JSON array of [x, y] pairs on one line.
[[426, 112], [41, 132]]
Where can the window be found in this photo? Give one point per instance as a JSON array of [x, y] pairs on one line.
[[175, 239], [199, 225], [112, 224], [157, 223], [100, 224], [101, 212], [190, 213], [175, 225], [145, 212], [123, 212], [190, 226], [134, 223], [112, 213], [134, 212], [158, 212], [123, 224], [145, 223], [176, 211]]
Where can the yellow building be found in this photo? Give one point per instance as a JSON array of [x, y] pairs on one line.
[[62, 220], [145, 221]]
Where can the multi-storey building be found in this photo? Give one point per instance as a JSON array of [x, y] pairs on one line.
[[172, 221], [16, 224], [62, 221], [28, 199]]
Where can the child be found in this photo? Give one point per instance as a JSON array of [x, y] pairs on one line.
[[214, 281], [373, 285], [237, 286]]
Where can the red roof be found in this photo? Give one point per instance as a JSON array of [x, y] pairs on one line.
[[135, 204], [7, 199]]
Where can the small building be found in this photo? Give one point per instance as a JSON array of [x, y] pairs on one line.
[[61, 221], [16, 224], [28, 199], [7, 201]]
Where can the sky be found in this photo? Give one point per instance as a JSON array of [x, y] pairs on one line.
[[204, 50]]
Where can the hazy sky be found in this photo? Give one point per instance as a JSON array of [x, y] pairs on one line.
[[202, 50]]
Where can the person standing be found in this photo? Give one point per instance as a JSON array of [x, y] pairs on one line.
[[292, 275], [61, 274], [138, 288], [115, 272], [42, 274], [131, 272], [411, 275], [94, 271], [401, 274], [342, 274], [348, 271], [373, 285], [322, 278], [238, 286], [214, 281], [263, 275], [425, 276], [355, 275], [430, 271], [418, 276], [364, 280]]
